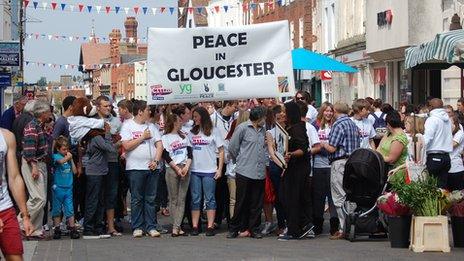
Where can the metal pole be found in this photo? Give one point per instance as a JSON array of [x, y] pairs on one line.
[[462, 83], [21, 43]]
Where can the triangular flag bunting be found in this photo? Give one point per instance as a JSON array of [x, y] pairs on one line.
[[53, 5], [217, 8], [271, 5], [70, 38], [153, 10], [27, 62], [66, 66], [26, 3], [50, 37], [35, 4], [171, 10], [136, 9], [245, 7], [63, 6], [162, 9], [116, 8], [199, 9], [226, 7], [126, 10], [44, 6], [76, 37], [279, 2], [98, 8], [190, 10], [181, 10], [71, 7], [81, 6], [89, 7], [108, 9], [144, 9], [261, 6], [61, 66]]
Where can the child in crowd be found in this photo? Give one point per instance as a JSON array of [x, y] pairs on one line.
[[63, 188]]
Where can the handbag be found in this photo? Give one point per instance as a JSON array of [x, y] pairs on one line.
[[269, 192]]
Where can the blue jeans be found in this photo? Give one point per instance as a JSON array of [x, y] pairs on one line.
[[62, 199], [143, 185], [208, 185]]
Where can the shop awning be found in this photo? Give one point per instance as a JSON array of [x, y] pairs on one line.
[[306, 60], [446, 50]]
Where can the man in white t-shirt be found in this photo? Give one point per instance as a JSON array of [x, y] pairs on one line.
[[222, 121], [142, 143], [366, 129]]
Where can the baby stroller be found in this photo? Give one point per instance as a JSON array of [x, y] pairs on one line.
[[364, 181]]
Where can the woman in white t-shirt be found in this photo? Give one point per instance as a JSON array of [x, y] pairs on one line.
[[205, 141], [456, 172], [142, 142], [178, 155]]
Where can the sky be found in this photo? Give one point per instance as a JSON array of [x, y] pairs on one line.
[[80, 24]]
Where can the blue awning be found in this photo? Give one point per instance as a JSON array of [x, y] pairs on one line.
[[306, 60]]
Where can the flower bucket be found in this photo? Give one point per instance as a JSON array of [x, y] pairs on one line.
[[399, 231], [429, 234], [457, 225]]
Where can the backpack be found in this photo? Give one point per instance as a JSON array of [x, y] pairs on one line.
[[380, 126]]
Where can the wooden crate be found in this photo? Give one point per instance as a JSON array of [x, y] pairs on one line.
[[429, 234]]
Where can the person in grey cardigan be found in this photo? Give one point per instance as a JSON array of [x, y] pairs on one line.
[[247, 150]]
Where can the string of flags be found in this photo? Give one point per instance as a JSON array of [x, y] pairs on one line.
[[146, 10], [71, 38], [73, 66]]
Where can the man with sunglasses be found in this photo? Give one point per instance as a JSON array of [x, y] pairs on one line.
[[312, 112]]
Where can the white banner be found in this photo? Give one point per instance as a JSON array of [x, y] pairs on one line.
[[210, 64]]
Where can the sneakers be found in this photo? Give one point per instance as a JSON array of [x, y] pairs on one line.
[[306, 230], [74, 233], [287, 238], [194, 232], [232, 234], [284, 232], [210, 232], [137, 233], [94, 235], [56, 232], [154, 233], [46, 227], [161, 229], [311, 234], [268, 228]]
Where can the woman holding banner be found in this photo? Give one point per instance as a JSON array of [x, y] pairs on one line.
[[205, 141]]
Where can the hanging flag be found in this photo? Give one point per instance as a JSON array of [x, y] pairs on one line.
[[81, 6], [89, 7], [136, 9], [26, 3], [162, 9], [27, 62], [71, 7], [50, 37], [63, 6], [217, 8], [153, 11], [226, 7], [70, 38], [53, 5], [261, 6], [190, 10], [126, 10], [116, 8], [44, 5], [145, 9], [199, 10], [171, 10], [98, 8], [66, 66], [35, 4], [181, 10], [108, 9], [279, 2], [245, 7]]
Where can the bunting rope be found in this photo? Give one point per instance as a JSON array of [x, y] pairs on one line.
[[74, 66], [144, 10], [100, 39]]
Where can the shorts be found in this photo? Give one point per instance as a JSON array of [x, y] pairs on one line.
[[10, 239]]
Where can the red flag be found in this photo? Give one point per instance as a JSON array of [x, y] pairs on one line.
[[245, 7], [136, 9], [217, 8], [162, 9], [26, 3], [271, 5], [81, 6], [53, 5], [190, 10], [108, 9]]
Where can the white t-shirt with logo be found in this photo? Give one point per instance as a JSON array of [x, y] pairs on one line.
[[140, 157], [312, 135], [366, 131], [456, 159], [176, 146], [204, 151]]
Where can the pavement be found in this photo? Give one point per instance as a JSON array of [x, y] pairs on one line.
[[221, 248]]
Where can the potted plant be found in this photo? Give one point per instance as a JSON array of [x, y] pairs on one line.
[[456, 212], [398, 217]]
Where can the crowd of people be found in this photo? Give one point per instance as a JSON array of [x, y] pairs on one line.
[[213, 161]]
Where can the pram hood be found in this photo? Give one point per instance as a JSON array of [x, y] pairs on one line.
[[364, 177]]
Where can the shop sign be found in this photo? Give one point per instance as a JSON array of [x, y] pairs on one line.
[[384, 18]]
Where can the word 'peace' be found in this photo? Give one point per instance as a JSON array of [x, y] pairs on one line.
[[214, 41]]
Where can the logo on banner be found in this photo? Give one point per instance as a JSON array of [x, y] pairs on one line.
[[221, 87], [206, 87], [157, 92], [326, 75], [185, 89]]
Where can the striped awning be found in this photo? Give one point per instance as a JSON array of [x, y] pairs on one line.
[[447, 48]]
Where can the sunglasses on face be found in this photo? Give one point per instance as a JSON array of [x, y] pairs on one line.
[[301, 98]]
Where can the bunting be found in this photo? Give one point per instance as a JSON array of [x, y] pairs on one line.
[[73, 38], [71, 66]]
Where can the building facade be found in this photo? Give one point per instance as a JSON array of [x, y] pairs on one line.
[[140, 74]]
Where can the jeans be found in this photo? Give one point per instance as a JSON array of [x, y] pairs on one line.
[[143, 187], [111, 185], [62, 200], [208, 184], [438, 166], [93, 216]]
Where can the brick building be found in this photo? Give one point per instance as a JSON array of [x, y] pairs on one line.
[[297, 12], [199, 18]]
